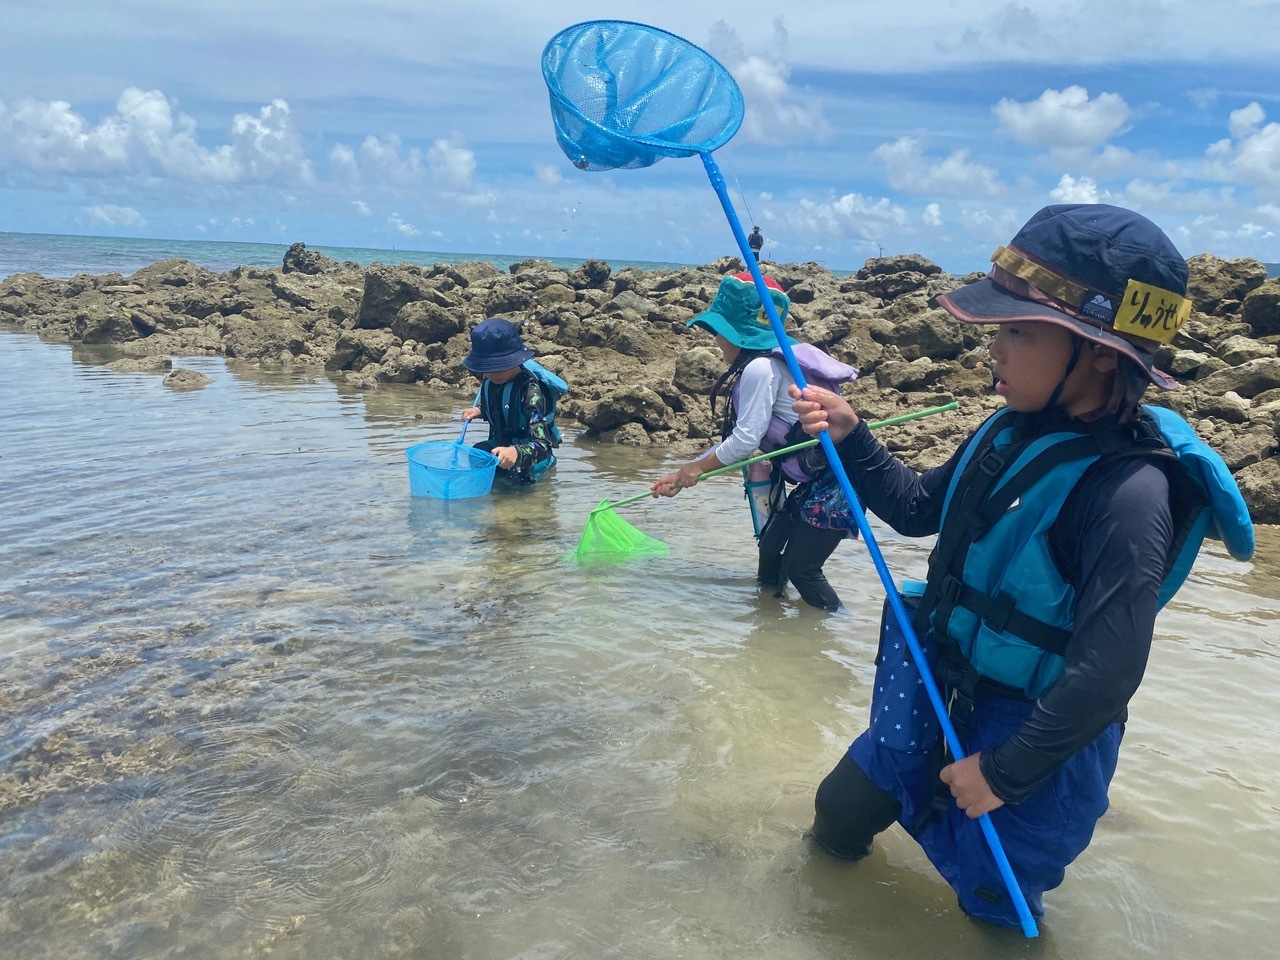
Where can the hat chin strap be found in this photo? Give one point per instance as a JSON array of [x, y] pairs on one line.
[[1077, 345]]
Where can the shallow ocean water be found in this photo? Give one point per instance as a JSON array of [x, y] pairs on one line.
[[258, 701]]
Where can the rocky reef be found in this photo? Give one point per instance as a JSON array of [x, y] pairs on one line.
[[637, 374]]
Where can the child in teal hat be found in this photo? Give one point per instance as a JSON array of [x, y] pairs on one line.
[[793, 546]]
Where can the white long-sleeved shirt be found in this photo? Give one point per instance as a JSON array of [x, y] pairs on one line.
[[762, 395]]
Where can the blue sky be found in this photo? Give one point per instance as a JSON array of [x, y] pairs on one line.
[[918, 127]]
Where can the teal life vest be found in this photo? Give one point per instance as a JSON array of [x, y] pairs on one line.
[[993, 589], [504, 403], [553, 388]]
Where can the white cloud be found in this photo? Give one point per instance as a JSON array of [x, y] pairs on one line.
[[1251, 155], [391, 129], [909, 170], [452, 161], [1116, 161], [776, 112], [1245, 121], [479, 198], [144, 137], [1064, 119], [547, 175], [1204, 98], [110, 215], [401, 227], [1214, 232], [1134, 33], [1082, 190], [265, 148], [851, 214], [344, 163], [1163, 199], [386, 162], [231, 225]]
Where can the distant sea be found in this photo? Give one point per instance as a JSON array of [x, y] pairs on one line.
[[61, 256]]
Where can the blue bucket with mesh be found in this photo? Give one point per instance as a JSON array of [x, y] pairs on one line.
[[446, 470]]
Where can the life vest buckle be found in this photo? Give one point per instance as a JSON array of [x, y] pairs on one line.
[[949, 590], [1146, 433], [991, 463]]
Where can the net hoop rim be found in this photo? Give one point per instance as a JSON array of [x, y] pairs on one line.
[[553, 87]]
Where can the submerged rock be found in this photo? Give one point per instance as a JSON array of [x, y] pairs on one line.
[[184, 379]]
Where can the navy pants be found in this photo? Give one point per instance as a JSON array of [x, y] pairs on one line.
[[873, 785]]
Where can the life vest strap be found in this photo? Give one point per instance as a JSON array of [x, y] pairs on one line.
[[1000, 614]]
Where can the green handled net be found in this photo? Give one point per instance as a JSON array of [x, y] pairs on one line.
[[608, 538]]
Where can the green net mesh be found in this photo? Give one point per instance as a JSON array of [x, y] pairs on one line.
[[609, 538]]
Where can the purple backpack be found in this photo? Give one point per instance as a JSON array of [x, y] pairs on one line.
[[820, 370]]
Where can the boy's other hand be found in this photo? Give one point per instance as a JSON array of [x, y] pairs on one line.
[[969, 787], [506, 456]]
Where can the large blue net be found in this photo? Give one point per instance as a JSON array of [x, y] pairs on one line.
[[626, 95]]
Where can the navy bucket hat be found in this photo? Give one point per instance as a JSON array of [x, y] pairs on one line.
[[1105, 273], [496, 346]]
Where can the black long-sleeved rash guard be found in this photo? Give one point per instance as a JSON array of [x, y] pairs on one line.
[[1110, 541]]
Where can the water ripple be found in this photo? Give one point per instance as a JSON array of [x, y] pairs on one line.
[[259, 701]]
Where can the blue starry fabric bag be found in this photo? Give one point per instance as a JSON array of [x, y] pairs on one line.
[[902, 717]]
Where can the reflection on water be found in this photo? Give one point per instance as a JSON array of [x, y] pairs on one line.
[[259, 701]]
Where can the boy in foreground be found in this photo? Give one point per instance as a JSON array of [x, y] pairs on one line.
[[1064, 523]]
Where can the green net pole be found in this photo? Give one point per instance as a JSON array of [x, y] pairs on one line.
[[802, 445]]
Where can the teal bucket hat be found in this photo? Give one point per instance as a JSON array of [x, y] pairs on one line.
[[737, 315]]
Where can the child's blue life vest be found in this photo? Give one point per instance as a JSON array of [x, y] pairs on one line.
[[504, 408], [993, 588], [554, 388]]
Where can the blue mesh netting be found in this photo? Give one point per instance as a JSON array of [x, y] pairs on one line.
[[626, 95]]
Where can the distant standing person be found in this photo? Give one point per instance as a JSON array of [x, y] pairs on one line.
[[756, 242]]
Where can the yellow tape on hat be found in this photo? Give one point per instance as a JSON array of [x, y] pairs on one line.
[[1151, 313], [1042, 278]]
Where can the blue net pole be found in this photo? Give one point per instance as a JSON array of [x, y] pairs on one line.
[[886, 578], [466, 423]]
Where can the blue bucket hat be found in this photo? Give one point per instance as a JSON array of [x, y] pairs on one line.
[[737, 313], [495, 346], [1105, 273]]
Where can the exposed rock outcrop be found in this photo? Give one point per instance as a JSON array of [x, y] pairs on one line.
[[637, 374]]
